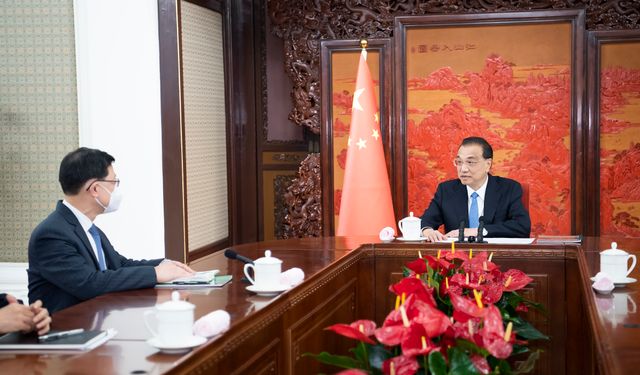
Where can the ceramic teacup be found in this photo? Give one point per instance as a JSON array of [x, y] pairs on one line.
[[410, 227], [266, 271], [174, 320], [614, 262]]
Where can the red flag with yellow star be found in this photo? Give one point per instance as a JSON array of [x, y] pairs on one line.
[[366, 205]]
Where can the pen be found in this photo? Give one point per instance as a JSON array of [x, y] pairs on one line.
[[59, 335]]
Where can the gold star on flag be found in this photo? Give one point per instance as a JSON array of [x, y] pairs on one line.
[[375, 117], [362, 144], [375, 134], [356, 98]]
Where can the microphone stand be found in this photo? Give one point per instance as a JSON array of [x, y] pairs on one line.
[[480, 236], [461, 232]]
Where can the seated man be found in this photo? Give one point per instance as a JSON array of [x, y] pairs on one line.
[[70, 259], [15, 316], [475, 194]]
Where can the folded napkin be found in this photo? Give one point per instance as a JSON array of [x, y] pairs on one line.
[[292, 277], [214, 323], [603, 283], [387, 234]]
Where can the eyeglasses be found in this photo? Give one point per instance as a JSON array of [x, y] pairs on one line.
[[116, 182], [469, 163]]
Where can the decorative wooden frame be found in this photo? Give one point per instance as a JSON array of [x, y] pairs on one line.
[[596, 39], [576, 18], [327, 48], [173, 153]]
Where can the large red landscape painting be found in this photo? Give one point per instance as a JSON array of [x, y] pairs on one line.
[[620, 139]]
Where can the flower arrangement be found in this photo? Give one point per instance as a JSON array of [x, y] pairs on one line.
[[455, 313]]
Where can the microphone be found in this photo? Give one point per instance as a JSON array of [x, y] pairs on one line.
[[480, 236], [461, 231], [233, 255]]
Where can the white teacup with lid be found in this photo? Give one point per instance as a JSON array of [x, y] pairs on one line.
[[266, 271], [614, 262], [174, 321], [410, 227]]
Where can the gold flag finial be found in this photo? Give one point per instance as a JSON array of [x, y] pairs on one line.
[[364, 43]]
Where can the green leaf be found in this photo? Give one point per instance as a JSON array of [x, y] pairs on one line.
[[527, 331], [335, 360], [469, 346], [437, 364], [405, 272], [503, 367], [377, 355], [528, 365], [460, 363]]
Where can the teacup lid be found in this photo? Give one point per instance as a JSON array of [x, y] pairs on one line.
[[267, 259], [614, 250], [175, 304], [411, 217]]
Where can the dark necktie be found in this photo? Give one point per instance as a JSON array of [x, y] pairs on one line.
[[96, 238], [473, 211]]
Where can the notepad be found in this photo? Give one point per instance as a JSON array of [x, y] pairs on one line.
[[217, 282], [82, 341], [203, 277]]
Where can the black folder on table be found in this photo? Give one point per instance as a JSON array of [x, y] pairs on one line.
[[81, 341]]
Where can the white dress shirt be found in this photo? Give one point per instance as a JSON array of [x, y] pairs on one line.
[[86, 223]]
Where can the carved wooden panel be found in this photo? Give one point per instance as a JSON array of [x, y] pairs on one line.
[[302, 24], [303, 201]]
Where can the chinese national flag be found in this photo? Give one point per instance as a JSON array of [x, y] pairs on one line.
[[366, 205]]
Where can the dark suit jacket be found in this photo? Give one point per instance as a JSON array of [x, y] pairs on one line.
[[63, 269], [504, 214]]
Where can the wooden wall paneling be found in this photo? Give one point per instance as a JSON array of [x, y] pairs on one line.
[[172, 131], [327, 48], [575, 18], [596, 40]]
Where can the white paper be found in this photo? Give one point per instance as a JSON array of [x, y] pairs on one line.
[[510, 241]]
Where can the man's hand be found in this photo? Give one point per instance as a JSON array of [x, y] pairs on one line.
[[433, 235], [41, 320], [467, 232], [171, 270], [181, 265], [15, 317]]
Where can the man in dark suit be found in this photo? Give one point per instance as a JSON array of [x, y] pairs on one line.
[[70, 259], [475, 194]]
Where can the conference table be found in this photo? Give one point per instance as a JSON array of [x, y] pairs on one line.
[[347, 278]]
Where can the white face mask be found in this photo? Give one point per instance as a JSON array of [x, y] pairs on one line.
[[114, 201]]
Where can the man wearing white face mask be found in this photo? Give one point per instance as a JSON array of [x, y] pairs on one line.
[[72, 260]]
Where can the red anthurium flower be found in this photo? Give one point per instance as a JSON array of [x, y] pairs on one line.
[[412, 286], [491, 292], [402, 365], [418, 266], [480, 363], [522, 307], [440, 265], [492, 334], [465, 308], [434, 321], [457, 255], [359, 330], [352, 371], [416, 341], [518, 280]]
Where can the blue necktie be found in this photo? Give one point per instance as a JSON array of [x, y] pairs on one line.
[[96, 238], [473, 211]]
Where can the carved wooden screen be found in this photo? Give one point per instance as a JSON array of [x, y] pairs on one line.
[[615, 126], [339, 62], [508, 77]]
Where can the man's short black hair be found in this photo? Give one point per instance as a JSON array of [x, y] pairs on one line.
[[487, 151], [82, 165]]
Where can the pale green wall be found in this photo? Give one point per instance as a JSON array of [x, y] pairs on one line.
[[38, 114]]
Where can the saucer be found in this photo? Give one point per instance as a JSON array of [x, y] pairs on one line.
[[268, 292], [411, 239], [176, 348], [627, 280]]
